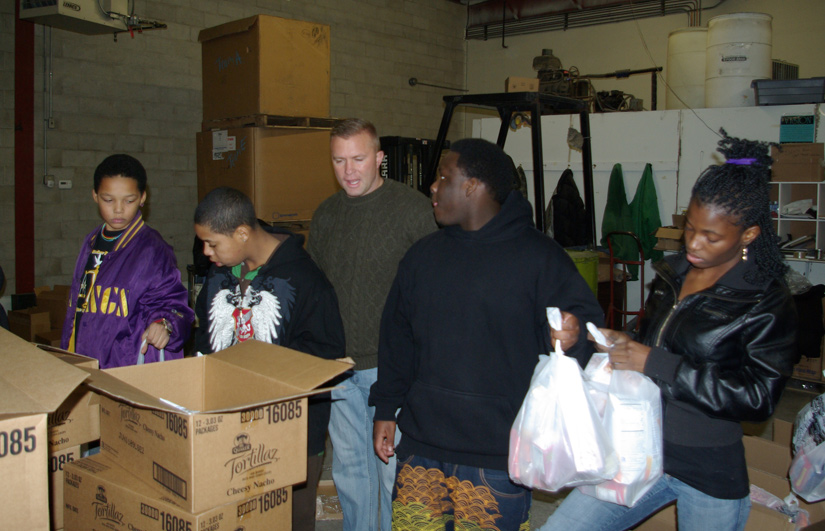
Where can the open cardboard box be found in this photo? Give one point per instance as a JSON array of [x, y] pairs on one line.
[[32, 384], [100, 494], [213, 429], [77, 419]]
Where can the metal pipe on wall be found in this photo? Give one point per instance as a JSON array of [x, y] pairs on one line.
[[551, 20]]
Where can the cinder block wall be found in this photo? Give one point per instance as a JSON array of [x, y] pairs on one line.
[[142, 96]]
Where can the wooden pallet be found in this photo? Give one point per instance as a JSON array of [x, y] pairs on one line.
[[269, 120]]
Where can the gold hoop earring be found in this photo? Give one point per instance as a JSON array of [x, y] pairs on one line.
[[744, 254]]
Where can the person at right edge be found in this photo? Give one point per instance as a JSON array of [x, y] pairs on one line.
[[719, 339], [357, 238]]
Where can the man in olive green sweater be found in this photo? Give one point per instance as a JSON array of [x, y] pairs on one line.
[[357, 237]]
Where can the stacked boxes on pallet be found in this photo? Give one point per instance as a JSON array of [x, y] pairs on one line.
[[266, 115], [212, 442]]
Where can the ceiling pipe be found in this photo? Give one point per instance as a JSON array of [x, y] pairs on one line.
[[584, 16]]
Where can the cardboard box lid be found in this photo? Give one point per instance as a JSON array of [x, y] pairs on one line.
[[33, 381], [299, 372], [229, 28]]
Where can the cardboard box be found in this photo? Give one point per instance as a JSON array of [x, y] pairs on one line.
[[287, 172], [213, 429], [669, 239], [57, 461], [798, 162], [29, 322], [768, 463], [51, 338], [783, 432], [100, 495], [809, 369], [521, 84], [77, 419], [32, 384], [56, 301], [679, 220], [265, 65]]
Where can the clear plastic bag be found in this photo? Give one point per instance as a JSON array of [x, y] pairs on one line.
[[558, 439], [632, 416], [807, 471]]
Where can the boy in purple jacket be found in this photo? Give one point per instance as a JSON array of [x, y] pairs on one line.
[[127, 301]]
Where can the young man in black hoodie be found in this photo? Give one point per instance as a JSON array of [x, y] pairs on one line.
[[461, 333], [263, 285]]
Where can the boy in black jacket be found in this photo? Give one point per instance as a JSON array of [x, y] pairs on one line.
[[461, 332], [263, 285]]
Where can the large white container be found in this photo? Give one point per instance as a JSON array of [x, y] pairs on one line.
[[739, 51], [685, 74]]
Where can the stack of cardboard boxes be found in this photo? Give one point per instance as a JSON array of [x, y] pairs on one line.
[[266, 115], [205, 443], [42, 323]]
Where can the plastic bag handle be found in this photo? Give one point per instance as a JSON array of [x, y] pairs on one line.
[[142, 357]]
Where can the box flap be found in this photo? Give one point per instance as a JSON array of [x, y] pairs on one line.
[[280, 363], [230, 28], [32, 381], [70, 357], [107, 384], [301, 371]]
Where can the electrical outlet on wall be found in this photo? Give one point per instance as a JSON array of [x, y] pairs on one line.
[[48, 180], [64, 184]]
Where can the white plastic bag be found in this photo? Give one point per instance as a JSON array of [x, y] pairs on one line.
[[632, 416], [807, 472], [557, 439]]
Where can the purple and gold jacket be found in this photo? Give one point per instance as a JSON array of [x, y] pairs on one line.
[[137, 283]]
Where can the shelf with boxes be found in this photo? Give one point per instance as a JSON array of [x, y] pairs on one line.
[[797, 190]]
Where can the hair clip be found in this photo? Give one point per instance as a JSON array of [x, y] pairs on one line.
[[741, 162]]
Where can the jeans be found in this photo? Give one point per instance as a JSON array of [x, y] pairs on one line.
[[446, 497], [696, 511], [361, 479]]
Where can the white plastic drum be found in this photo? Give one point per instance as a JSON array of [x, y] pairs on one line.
[[739, 51], [685, 74]]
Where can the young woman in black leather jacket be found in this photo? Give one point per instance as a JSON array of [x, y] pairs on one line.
[[719, 339]]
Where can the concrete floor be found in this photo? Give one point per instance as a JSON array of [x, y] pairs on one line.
[[796, 395]]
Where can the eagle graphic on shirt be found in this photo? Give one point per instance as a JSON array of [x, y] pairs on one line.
[[260, 313]]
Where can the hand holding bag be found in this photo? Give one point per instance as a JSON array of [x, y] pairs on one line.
[[557, 439]]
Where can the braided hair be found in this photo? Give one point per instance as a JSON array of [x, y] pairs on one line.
[[741, 189]]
